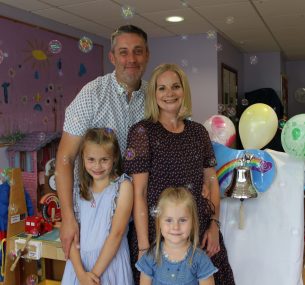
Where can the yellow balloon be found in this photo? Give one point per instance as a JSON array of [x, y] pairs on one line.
[[257, 126]]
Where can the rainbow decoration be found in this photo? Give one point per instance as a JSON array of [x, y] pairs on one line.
[[50, 202], [262, 166]]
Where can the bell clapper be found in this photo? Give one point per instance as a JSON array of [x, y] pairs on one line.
[[241, 215]]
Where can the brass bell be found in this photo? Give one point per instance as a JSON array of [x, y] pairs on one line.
[[241, 186]]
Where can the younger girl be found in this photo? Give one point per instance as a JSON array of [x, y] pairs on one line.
[[105, 205], [175, 257]]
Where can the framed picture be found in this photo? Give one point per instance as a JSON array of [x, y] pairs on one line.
[[284, 95], [229, 85]]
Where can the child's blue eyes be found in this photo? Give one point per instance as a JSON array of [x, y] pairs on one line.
[[101, 161], [180, 221]]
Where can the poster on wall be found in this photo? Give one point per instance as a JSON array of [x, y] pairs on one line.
[[284, 94], [40, 74]]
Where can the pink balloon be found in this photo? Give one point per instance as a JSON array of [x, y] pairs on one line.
[[221, 130]]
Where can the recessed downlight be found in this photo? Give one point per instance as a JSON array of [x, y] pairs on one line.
[[174, 19]]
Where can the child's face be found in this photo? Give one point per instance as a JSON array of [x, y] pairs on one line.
[[97, 160], [175, 223]]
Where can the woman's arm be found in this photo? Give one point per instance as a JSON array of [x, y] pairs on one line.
[[210, 178], [211, 236], [140, 210], [118, 227]]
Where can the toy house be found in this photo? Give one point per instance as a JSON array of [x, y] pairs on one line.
[[31, 155]]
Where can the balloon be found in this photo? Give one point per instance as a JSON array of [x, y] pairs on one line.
[[221, 129], [257, 126], [293, 136]]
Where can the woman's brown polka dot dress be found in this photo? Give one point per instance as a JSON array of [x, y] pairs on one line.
[[173, 159]]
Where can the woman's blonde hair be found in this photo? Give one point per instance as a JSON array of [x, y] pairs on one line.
[[179, 195], [105, 137], [151, 106]]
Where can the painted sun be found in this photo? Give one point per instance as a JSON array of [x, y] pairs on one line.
[[37, 53]]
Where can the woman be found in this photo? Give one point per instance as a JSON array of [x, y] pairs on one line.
[[168, 150]]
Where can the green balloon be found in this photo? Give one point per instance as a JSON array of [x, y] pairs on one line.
[[293, 136], [296, 132]]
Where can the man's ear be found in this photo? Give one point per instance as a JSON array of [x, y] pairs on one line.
[[111, 57], [148, 54]]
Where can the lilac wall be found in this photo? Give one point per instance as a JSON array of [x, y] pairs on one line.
[[296, 79], [198, 57], [21, 15], [37, 82], [232, 57], [266, 73]]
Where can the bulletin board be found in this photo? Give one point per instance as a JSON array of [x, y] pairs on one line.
[[40, 74]]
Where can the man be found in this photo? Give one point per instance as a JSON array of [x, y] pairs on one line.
[[114, 100]]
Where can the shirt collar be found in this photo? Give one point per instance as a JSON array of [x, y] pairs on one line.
[[120, 89]]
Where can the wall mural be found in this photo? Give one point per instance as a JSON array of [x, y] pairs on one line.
[[40, 74]]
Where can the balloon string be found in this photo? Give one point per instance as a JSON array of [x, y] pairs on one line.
[[241, 216]]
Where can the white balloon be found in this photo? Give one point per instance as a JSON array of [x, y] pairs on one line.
[[221, 129]]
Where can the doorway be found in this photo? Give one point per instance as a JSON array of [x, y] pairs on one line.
[[229, 97]]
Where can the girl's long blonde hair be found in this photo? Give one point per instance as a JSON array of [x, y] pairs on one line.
[[105, 137], [178, 195]]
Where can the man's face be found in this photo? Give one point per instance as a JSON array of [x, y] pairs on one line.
[[129, 56]]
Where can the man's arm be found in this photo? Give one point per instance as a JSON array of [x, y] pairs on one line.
[[66, 154], [84, 277]]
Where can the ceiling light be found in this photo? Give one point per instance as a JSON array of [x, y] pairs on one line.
[[174, 19]]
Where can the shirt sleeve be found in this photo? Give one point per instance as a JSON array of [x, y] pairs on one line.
[[80, 112], [146, 265], [137, 155], [203, 265]]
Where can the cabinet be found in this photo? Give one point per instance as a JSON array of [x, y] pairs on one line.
[[50, 249]]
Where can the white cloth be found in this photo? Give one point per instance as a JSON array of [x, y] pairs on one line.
[[269, 250]]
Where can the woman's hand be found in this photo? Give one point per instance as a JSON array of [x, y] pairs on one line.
[[211, 240]]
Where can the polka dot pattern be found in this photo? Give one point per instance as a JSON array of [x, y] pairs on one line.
[[174, 159]]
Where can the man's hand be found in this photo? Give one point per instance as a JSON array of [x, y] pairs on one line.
[[69, 232]]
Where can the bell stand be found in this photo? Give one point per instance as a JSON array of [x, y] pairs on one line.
[[15, 226]]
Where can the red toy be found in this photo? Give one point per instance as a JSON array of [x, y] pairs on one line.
[[37, 226]]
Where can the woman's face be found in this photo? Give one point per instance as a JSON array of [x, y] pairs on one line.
[[169, 92]]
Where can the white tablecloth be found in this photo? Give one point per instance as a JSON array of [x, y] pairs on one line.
[[269, 250]]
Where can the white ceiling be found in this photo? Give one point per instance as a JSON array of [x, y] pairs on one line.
[[251, 25]]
